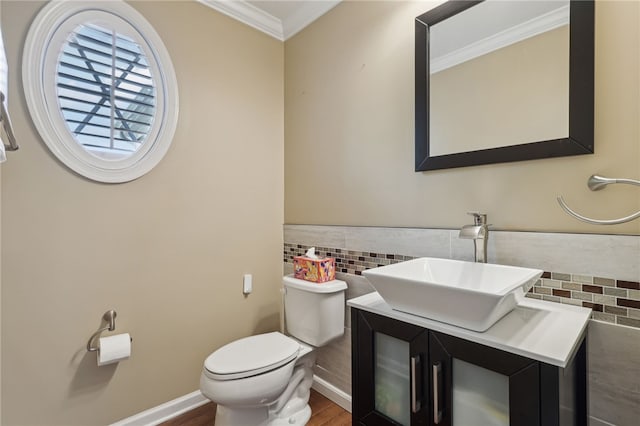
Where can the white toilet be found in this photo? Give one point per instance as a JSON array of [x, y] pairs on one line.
[[265, 379]]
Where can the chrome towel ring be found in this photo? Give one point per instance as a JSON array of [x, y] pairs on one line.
[[596, 183]]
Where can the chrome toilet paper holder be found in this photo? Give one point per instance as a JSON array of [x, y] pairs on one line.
[[110, 318]]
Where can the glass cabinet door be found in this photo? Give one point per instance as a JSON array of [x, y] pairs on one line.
[[473, 385], [390, 370], [391, 376], [480, 396]]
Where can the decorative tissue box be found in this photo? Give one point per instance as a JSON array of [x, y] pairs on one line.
[[315, 270]]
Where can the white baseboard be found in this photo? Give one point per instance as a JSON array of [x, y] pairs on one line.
[[166, 411], [336, 395], [181, 405]]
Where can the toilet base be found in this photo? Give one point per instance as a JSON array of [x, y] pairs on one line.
[[299, 418], [226, 416], [291, 408], [259, 416]]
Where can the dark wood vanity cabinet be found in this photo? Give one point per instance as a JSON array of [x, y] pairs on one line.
[[404, 374]]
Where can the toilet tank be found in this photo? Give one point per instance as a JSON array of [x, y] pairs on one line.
[[314, 313]]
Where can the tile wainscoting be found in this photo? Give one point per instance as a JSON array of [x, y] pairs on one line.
[[593, 270], [611, 300]]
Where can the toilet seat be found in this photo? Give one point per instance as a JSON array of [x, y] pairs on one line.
[[251, 356]]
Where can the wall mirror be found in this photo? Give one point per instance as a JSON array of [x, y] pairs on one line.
[[500, 81]]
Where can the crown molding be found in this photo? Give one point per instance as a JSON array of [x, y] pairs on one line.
[[533, 27], [305, 16], [250, 15]]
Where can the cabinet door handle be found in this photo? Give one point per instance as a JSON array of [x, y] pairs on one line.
[[436, 374], [415, 386]]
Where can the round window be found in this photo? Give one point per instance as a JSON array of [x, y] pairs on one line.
[[101, 88]]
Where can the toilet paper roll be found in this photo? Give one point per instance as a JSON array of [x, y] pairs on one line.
[[114, 349]]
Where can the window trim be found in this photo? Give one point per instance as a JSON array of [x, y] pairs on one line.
[[41, 54]]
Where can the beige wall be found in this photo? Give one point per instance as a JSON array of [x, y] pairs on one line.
[[349, 133], [167, 251]]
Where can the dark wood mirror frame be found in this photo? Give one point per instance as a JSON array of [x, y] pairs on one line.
[[581, 95]]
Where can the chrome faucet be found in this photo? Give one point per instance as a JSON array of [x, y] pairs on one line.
[[479, 233]]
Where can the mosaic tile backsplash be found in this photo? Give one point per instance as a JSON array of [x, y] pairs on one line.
[[613, 301]]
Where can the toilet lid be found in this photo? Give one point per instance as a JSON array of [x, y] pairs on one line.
[[251, 356]]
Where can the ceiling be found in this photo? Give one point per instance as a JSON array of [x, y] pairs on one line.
[[279, 19]]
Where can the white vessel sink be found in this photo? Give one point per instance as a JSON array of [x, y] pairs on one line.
[[465, 294]]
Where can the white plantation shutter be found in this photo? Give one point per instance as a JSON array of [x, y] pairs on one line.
[[105, 90]]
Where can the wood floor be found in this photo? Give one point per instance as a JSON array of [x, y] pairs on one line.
[[324, 412]]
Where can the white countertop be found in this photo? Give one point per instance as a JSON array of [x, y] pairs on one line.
[[545, 331]]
